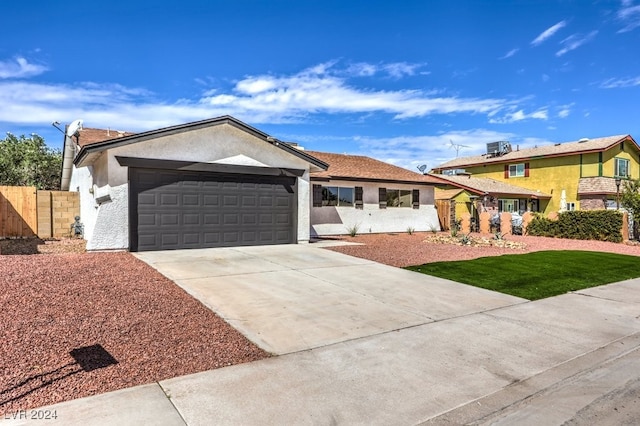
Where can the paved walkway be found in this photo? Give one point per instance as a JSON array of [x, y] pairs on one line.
[[489, 360]]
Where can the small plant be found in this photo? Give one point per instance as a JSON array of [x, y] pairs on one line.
[[411, 230], [499, 236], [352, 230], [455, 227], [466, 240]]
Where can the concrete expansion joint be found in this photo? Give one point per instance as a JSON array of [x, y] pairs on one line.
[[495, 405], [168, 396], [578, 293]]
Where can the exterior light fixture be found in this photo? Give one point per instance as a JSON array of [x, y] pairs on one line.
[[618, 181]]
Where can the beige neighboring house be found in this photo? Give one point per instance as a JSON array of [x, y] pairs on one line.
[[371, 196]]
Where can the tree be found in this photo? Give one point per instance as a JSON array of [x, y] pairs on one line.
[[29, 162], [630, 200]]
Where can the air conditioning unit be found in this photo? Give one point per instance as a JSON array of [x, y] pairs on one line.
[[496, 149]]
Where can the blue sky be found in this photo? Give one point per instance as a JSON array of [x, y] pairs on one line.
[[399, 81]]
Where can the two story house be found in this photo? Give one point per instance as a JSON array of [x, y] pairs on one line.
[[576, 175]]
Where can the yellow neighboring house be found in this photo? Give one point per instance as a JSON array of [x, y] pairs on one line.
[[578, 175]]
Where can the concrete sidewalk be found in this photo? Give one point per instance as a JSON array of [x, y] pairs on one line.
[[543, 362]]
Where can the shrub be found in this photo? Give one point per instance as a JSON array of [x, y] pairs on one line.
[[353, 230], [603, 225]]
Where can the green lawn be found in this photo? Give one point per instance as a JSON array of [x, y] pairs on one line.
[[537, 275]]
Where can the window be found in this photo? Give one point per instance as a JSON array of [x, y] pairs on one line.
[[337, 196], [508, 205], [621, 167], [516, 170], [399, 198], [571, 206]]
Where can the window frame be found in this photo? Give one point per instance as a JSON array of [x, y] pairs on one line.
[[402, 193], [515, 202], [516, 172], [616, 167], [321, 196], [338, 202]]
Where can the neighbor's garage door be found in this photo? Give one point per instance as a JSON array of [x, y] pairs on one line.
[[176, 210]]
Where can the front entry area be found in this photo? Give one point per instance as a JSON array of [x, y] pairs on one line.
[[172, 209]]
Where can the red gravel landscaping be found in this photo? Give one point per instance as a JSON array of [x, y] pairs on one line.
[[407, 250], [124, 323]]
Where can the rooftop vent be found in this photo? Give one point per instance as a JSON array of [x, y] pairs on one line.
[[583, 140], [496, 149]]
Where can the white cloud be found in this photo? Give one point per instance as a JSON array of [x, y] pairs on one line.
[[520, 115], [20, 68], [317, 90], [321, 89], [545, 77], [564, 111], [548, 33], [509, 54], [395, 70], [574, 41], [616, 83], [629, 15]]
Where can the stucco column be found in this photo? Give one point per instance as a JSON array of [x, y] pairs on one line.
[[465, 223], [485, 225], [505, 223], [527, 217]]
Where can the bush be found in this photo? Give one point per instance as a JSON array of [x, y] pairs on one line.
[[603, 225]]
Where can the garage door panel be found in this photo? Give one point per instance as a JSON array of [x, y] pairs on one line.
[[169, 219], [191, 200], [186, 210], [191, 219]]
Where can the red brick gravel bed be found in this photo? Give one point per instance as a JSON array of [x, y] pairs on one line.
[[96, 306], [407, 250]]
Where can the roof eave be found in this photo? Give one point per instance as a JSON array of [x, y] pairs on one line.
[[98, 147]]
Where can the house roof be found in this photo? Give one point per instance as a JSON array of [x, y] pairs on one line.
[[596, 185], [88, 136], [448, 194], [361, 168], [556, 150], [94, 146], [490, 186]]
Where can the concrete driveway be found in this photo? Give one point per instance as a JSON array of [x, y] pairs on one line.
[[289, 298]]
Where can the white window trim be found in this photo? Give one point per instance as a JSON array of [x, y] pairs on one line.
[[516, 174]]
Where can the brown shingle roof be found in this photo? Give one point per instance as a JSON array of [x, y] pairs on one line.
[[447, 194], [562, 149], [491, 186], [88, 136], [365, 168], [597, 185]]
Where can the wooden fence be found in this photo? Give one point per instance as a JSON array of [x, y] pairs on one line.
[[18, 211], [26, 212], [446, 213]]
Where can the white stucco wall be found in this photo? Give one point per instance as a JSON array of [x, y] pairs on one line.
[[106, 226], [333, 220]]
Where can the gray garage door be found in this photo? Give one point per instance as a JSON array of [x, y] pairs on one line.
[[176, 210]]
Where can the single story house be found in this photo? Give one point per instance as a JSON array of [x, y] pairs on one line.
[[476, 194], [211, 183], [361, 194]]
